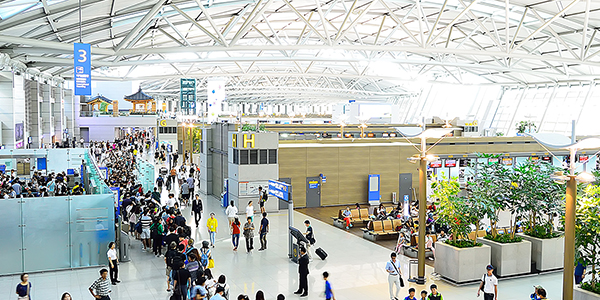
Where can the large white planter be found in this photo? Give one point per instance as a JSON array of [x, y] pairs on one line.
[[548, 254], [581, 294], [461, 265], [510, 259]]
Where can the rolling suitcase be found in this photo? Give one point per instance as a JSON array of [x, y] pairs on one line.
[[321, 253]]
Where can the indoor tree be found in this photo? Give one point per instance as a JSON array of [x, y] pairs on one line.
[[587, 234]]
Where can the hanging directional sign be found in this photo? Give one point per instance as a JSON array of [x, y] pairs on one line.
[[82, 74]]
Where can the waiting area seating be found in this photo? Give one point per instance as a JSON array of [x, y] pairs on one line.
[[359, 216]]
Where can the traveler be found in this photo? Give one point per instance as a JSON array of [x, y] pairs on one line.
[[66, 296], [197, 209], [250, 211], [249, 234], [280, 297], [24, 288], [113, 262], [489, 285], [219, 294], [181, 281], [212, 224], [191, 185], [347, 215], [542, 294], [329, 295], [193, 266], [101, 286], [211, 283], [579, 273], [260, 295], [310, 236], [263, 230], [205, 256], [156, 233], [303, 273], [235, 233], [262, 198], [145, 221], [231, 213], [434, 295], [199, 292], [185, 192], [394, 276], [169, 258], [423, 295], [171, 201], [159, 182], [411, 294], [225, 286], [535, 295]]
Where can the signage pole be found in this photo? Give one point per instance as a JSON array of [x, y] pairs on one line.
[[291, 224]]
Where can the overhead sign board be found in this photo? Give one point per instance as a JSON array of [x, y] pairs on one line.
[[82, 73], [187, 97], [279, 189]]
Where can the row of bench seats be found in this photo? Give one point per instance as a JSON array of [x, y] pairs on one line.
[[358, 216]]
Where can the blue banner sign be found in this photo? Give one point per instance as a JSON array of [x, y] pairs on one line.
[[279, 189], [82, 74]]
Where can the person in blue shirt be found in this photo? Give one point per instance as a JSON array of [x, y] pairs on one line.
[[411, 294], [579, 273], [535, 296], [328, 291], [199, 291], [218, 294]]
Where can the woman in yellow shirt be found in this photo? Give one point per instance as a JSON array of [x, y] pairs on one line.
[[212, 224]]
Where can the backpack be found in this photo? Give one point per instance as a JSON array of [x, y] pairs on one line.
[[138, 227], [204, 258], [154, 231], [265, 197]]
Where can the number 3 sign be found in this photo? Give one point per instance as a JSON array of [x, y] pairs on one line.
[[82, 62]]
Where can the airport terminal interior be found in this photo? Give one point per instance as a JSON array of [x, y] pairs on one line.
[[299, 149]]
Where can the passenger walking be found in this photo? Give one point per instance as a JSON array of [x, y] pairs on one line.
[[113, 262], [263, 230], [212, 224], [303, 273], [191, 184], [262, 199], [489, 285], [235, 233], [250, 211], [310, 236], [101, 286], [231, 213], [24, 288], [394, 276], [434, 295], [249, 234], [329, 295], [197, 209]]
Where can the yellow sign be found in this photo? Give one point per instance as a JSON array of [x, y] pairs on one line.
[[249, 140], [471, 124], [234, 140], [163, 123]]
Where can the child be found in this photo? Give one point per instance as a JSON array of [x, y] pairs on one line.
[[435, 295], [328, 291], [411, 294], [423, 295]]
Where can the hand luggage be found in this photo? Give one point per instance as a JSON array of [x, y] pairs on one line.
[[321, 253]]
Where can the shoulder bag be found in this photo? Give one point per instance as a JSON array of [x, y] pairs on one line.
[[26, 297], [399, 276]]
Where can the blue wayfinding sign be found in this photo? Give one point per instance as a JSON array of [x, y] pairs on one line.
[[82, 73], [279, 189]]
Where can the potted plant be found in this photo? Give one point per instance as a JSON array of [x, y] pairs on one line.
[[587, 241], [525, 127], [458, 259], [542, 202], [510, 254]]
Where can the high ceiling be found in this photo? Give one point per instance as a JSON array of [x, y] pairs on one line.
[[311, 51]]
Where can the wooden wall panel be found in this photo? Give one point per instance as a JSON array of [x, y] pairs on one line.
[[384, 161], [292, 164], [325, 161], [354, 172]]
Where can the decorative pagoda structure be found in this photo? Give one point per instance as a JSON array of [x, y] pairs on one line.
[[142, 103], [99, 103]]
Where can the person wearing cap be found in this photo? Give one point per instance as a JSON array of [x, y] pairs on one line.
[[489, 285], [435, 295], [535, 295], [218, 294], [212, 224]]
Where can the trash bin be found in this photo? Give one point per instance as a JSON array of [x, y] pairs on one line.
[[124, 247]]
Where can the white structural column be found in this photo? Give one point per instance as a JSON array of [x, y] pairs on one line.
[[47, 117], [69, 113], [58, 112], [7, 110], [34, 112]]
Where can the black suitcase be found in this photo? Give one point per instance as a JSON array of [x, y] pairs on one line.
[[321, 253]]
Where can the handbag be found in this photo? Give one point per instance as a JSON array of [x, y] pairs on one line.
[[399, 276], [211, 263]]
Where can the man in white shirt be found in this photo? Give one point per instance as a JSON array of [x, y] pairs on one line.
[[231, 213], [489, 285], [394, 273], [171, 201]]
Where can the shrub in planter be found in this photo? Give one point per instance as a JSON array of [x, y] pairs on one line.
[[463, 243], [587, 235], [504, 238]]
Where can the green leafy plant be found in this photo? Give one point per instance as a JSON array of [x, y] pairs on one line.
[[587, 234], [463, 243], [526, 126], [504, 238], [542, 231], [252, 127]]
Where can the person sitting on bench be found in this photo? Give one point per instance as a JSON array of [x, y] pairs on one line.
[[347, 215]]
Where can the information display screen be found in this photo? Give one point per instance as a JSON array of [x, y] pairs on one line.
[[450, 163]]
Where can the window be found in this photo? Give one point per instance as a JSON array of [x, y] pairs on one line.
[[161, 130], [243, 157], [264, 156], [272, 156], [254, 157], [236, 157]]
